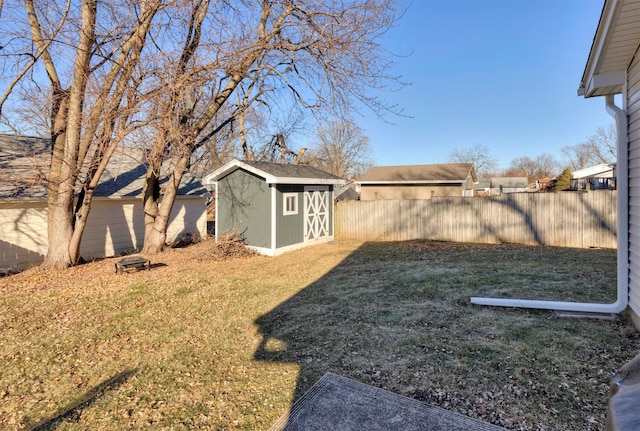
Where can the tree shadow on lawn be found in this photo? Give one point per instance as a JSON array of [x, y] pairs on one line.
[[398, 316], [74, 411]]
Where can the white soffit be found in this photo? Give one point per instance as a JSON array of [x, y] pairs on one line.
[[614, 45]]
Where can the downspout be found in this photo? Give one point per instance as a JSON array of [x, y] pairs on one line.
[[622, 299]]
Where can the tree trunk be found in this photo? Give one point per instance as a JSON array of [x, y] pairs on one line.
[[60, 232], [153, 241], [157, 212]]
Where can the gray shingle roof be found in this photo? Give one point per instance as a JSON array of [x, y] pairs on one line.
[[451, 172], [24, 162], [291, 171], [277, 173]]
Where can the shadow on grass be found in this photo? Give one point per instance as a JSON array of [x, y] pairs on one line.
[[397, 316], [74, 411]]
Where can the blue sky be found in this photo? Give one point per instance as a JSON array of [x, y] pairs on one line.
[[503, 74]]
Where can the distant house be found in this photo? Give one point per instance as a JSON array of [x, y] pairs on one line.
[[545, 184], [116, 222], [275, 207], [417, 181], [482, 187], [603, 170], [598, 177], [504, 185]]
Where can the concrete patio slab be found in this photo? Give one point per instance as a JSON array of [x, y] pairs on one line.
[[340, 404]]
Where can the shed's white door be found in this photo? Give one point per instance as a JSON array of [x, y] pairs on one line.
[[316, 214]]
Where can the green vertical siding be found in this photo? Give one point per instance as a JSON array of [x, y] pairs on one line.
[[244, 204], [290, 228]]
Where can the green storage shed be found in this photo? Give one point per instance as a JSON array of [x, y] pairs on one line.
[[275, 207]]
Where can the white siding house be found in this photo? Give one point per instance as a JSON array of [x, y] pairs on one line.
[[602, 170], [613, 68], [116, 221]]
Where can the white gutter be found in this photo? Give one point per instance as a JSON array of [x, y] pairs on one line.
[[622, 299]]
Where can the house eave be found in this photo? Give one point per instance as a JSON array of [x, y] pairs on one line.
[[614, 45], [411, 182], [604, 84]]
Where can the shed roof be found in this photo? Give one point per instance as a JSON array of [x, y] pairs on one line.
[[24, 162], [614, 45], [277, 173], [448, 173]]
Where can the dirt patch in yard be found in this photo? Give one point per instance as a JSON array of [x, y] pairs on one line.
[[210, 343]]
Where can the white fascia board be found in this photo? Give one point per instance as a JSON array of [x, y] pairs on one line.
[[306, 181], [270, 179], [27, 199], [413, 182], [233, 166], [609, 79], [614, 79]]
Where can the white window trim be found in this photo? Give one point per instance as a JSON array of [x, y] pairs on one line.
[[285, 197]]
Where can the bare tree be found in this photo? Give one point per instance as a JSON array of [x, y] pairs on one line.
[[342, 149], [317, 54], [89, 53], [598, 148], [104, 78], [543, 166], [270, 135], [483, 162]]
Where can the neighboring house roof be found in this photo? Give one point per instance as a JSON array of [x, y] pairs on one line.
[[125, 177], [600, 170], [276, 173], [510, 182], [482, 183], [614, 44], [24, 162], [346, 193], [449, 173]]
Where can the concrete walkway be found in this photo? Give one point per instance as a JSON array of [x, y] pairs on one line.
[[340, 404]]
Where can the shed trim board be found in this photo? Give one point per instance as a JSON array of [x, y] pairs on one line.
[[269, 178], [415, 182], [274, 216]]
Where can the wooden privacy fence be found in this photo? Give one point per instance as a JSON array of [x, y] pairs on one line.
[[567, 219]]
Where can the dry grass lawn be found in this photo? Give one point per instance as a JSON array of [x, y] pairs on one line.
[[204, 343]]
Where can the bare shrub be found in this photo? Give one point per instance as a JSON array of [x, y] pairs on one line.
[[230, 245]]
